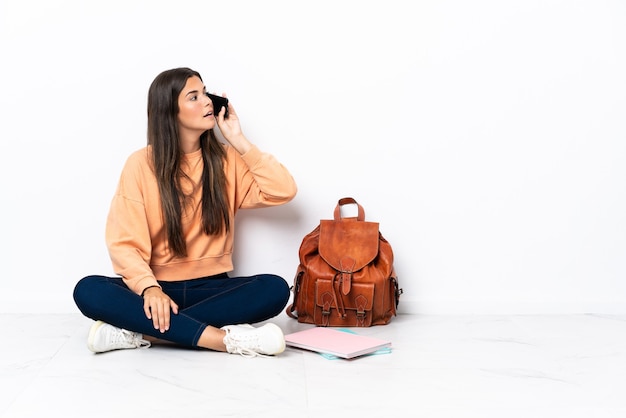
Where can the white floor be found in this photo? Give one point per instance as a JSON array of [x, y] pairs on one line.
[[440, 366]]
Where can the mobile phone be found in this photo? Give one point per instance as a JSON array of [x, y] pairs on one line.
[[218, 103]]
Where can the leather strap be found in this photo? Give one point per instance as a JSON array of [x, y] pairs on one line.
[[347, 201], [296, 291], [347, 268], [341, 309], [361, 303]]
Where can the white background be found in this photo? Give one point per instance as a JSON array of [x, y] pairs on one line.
[[487, 137]]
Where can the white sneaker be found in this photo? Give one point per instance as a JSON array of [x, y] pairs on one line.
[[104, 337], [249, 341]]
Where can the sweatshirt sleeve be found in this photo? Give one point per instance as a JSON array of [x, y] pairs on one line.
[[263, 181], [127, 233]]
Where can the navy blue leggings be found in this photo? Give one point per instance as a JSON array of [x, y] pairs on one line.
[[216, 300]]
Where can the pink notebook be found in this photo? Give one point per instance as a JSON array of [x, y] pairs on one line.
[[338, 343]]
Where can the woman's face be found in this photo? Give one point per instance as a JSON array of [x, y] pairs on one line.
[[195, 114]]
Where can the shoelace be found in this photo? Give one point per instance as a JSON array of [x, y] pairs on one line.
[[248, 353], [131, 338], [244, 340]]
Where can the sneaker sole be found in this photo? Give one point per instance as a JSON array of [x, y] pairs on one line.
[[92, 335]]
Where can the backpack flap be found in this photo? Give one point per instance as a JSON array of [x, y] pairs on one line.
[[348, 246]]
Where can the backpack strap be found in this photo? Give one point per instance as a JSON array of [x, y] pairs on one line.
[[291, 310]]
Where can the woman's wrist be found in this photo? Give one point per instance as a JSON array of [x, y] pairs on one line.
[[149, 287]]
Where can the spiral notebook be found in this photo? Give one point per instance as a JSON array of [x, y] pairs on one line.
[[338, 343]]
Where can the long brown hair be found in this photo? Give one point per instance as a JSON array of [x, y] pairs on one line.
[[167, 156]]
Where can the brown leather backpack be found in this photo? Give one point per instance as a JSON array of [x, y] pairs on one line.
[[346, 276]]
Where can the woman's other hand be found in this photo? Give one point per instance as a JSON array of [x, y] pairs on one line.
[[157, 306]]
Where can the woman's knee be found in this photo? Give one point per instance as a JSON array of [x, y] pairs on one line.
[[276, 283], [85, 286], [86, 292], [278, 288]]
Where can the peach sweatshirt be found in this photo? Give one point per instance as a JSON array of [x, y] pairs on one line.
[[135, 231]]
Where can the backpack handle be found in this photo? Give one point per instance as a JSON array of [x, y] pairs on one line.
[[348, 201]]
